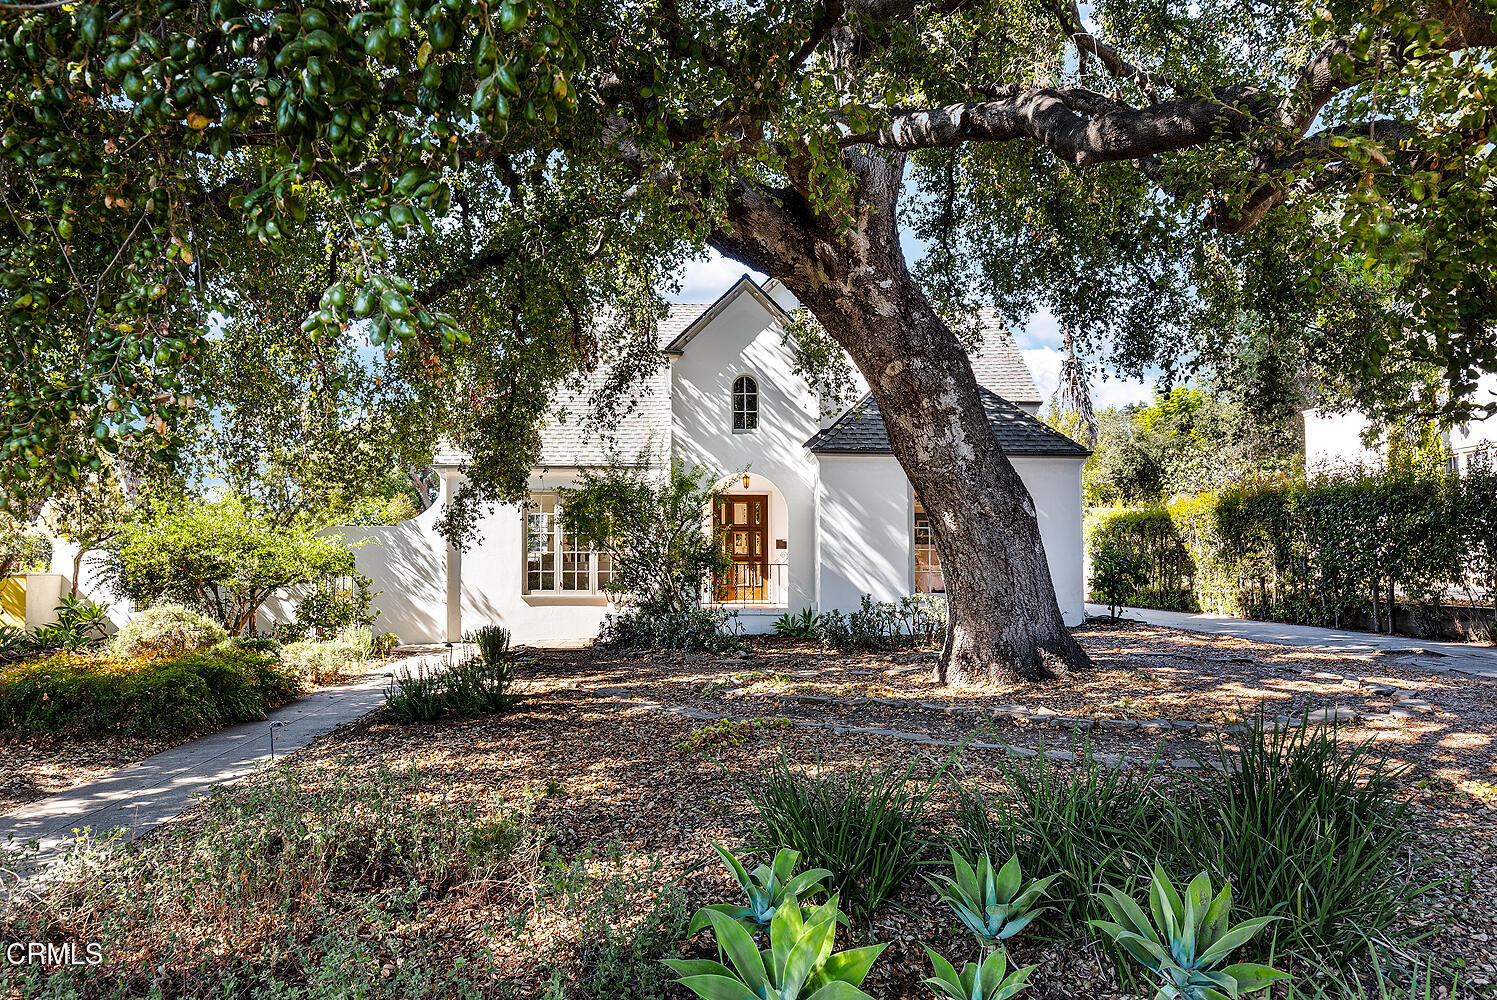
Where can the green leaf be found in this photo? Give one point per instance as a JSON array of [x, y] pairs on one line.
[[718, 988]]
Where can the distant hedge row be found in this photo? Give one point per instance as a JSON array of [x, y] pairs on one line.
[[1314, 551]]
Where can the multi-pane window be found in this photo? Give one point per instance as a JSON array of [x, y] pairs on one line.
[[745, 403], [928, 578], [556, 561]]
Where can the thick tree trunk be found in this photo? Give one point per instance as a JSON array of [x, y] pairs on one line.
[[1005, 622]]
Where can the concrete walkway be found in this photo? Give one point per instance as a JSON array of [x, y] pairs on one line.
[[147, 794], [1397, 650]]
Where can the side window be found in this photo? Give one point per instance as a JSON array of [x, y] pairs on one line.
[[745, 403], [928, 577]]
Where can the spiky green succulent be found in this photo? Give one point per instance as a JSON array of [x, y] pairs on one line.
[[993, 904], [1188, 939], [989, 981], [766, 888], [799, 962]]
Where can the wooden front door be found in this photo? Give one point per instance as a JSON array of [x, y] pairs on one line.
[[742, 525]]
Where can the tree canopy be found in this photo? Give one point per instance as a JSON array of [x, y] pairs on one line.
[[432, 211]]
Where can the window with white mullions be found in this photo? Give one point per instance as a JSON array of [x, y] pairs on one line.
[[557, 562], [928, 576], [745, 403]]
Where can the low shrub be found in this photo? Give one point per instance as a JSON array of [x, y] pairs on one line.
[[862, 825], [282, 889], [182, 695], [329, 609], [916, 620], [323, 662], [165, 629], [692, 630], [1116, 575]]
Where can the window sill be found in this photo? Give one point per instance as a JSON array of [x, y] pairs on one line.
[[548, 600]]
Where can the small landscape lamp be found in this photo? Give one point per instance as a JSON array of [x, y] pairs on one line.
[[745, 480]]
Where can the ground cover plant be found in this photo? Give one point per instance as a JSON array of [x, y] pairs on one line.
[[172, 695]]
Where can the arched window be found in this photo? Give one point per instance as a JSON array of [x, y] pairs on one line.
[[745, 403]]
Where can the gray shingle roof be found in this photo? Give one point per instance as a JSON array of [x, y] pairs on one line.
[[998, 365], [573, 436], [860, 431]]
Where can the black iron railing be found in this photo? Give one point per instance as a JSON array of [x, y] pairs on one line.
[[752, 583]]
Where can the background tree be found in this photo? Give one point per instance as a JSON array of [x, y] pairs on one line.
[[1188, 440], [466, 185], [224, 558], [89, 513]]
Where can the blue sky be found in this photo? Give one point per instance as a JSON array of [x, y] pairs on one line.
[[705, 278]]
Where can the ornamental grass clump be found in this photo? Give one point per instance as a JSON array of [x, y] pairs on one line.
[[1304, 826], [1093, 824], [1188, 939], [862, 825]]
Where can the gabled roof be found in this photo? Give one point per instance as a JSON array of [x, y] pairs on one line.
[[860, 431], [744, 285]]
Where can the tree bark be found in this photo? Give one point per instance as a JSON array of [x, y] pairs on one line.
[[1005, 624]]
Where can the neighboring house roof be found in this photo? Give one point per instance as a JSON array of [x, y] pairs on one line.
[[860, 431]]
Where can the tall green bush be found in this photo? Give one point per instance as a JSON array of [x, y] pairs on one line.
[[1313, 551], [224, 557]]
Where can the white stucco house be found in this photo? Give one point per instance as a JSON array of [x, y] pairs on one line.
[[825, 516], [1337, 440]]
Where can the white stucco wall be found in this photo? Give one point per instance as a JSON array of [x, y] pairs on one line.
[[867, 519], [747, 339]]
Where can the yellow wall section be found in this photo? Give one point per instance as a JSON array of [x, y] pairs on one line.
[[13, 601]]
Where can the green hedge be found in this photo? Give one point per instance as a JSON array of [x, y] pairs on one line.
[[182, 695], [1315, 551]]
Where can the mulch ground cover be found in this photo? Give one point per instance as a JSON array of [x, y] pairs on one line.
[[599, 773]]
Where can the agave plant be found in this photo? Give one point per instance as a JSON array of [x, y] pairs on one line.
[[993, 905], [799, 961], [1187, 940], [989, 981], [767, 887]]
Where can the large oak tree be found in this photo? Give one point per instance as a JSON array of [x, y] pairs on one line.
[[469, 184]]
